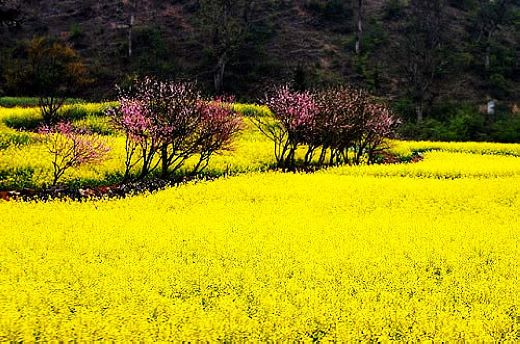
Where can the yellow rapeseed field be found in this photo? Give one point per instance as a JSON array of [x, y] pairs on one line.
[[251, 151], [410, 252], [274, 257]]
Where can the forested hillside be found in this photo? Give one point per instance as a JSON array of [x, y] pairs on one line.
[[438, 62]]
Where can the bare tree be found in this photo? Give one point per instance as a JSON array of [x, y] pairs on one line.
[[492, 16], [423, 50], [225, 26], [71, 148]]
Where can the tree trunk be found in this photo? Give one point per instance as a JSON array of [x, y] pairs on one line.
[[419, 111], [130, 29], [332, 157], [290, 162], [309, 156], [144, 171], [164, 159], [49, 107], [323, 154], [359, 34], [219, 72], [487, 58]]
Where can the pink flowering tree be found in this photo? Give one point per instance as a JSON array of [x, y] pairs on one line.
[[72, 148], [352, 125], [347, 124], [218, 127], [167, 123], [292, 123], [379, 125], [141, 144], [338, 127]]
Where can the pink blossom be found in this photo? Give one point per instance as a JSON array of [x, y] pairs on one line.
[[71, 148]]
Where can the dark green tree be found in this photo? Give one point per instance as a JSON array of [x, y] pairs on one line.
[[49, 70], [225, 26], [491, 18], [423, 46]]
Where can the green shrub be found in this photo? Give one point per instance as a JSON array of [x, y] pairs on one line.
[[76, 112], [96, 124], [405, 108], [48, 69], [506, 130], [452, 123], [252, 110], [31, 120], [17, 179], [73, 113], [499, 85], [27, 120], [14, 139], [75, 32], [464, 126], [467, 126], [10, 102]]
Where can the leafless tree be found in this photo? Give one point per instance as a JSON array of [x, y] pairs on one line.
[[422, 50], [225, 26], [491, 17]]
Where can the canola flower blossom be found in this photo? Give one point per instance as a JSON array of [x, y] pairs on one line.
[[409, 252], [278, 257], [252, 152]]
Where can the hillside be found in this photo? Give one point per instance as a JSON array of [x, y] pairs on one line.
[[305, 42]]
